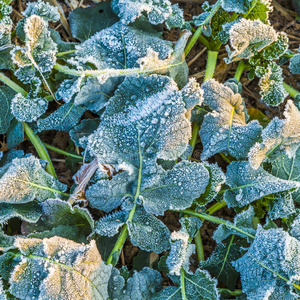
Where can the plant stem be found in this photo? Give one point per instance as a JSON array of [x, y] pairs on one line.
[[239, 71], [194, 138], [182, 283], [215, 220], [57, 150], [65, 53], [12, 84], [232, 293], [292, 92], [40, 149], [198, 32], [199, 246], [211, 64], [216, 207]]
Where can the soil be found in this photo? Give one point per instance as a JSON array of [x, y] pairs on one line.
[[282, 18]]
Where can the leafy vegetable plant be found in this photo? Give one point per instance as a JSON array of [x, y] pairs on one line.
[[134, 116]]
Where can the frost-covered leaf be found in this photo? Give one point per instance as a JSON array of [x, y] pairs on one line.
[[225, 128], [287, 168], [58, 268], [148, 233], [15, 134], [63, 119], [29, 212], [295, 228], [6, 96], [200, 286], [261, 10], [271, 84], [39, 53], [219, 263], [295, 63], [109, 225], [247, 184], [85, 22], [60, 214], [2, 292], [24, 180], [6, 243], [278, 136], [216, 179], [242, 221], [180, 253], [28, 109], [157, 11], [270, 266], [140, 286], [248, 37], [282, 205], [43, 10], [191, 225], [238, 6]]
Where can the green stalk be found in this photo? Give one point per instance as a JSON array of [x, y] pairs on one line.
[[40, 149], [232, 293], [199, 246], [215, 220], [57, 150], [216, 207], [198, 32], [182, 283], [212, 57], [65, 53], [239, 71], [292, 92], [12, 84]]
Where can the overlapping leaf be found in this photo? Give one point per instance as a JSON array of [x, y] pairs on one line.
[[6, 96], [225, 128], [295, 63]]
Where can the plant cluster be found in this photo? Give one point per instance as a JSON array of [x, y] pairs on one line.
[[135, 161]]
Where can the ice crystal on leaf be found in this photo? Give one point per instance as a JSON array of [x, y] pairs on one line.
[[225, 128], [24, 180], [6, 96], [157, 11], [248, 184], [278, 136], [58, 268], [38, 54], [248, 37], [270, 266], [282, 205], [2, 292], [295, 63]]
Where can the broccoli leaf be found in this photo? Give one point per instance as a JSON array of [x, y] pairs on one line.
[[219, 263], [28, 109], [270, 266], [238, 6], [225, 128], [242, 221], [58, 268], [157, 11], [271, 84], [287, 168], [29, 212], [6, 242], [63, 119], [85, 22], [57, 213], [140, 286], [282, 205], [148, 232], [295, 228], [6, 96], [2, 291], [295, 63], [247, 184], [260, 10], [24, 180], [278, 136], [39, 53], [15, 134], [247, 38], [198, 286]]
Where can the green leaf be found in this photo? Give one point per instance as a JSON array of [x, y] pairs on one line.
[[270, 266], [225, 129], [6, 243], [260, 10], [295, 63], [238, 6], [247, 184], [24, 180], [219, 263], [271, 84], [279, 136], [7, 263], [2, 291], [6, 96], [282, 205], [198, 286], [15, 134], [85, 22], [60, 269], [157, 12], [63, 119], [140, 286], [148, 232], [243, 221], [29, 212]]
